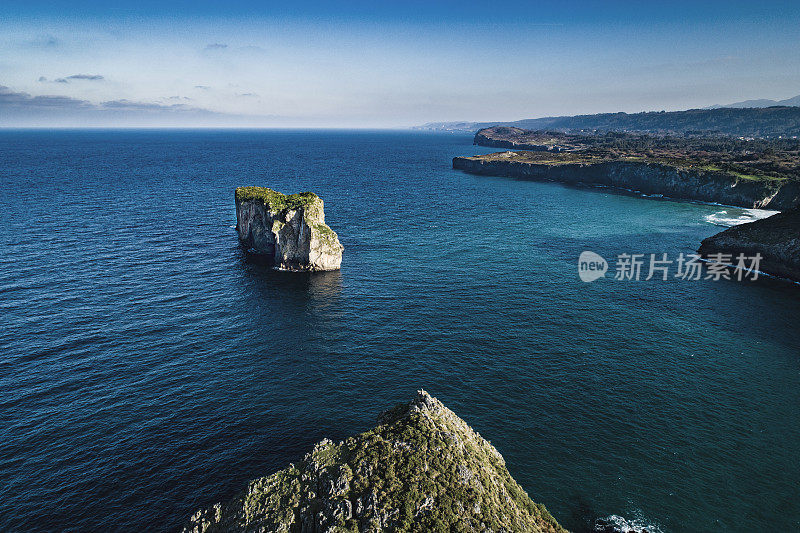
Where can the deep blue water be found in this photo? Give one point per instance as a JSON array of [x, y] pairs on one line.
[[149, 367]]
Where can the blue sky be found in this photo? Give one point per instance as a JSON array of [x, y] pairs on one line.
[[367, 64]]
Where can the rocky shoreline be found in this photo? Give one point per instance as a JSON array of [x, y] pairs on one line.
[[750, 173], [776, 239], [643, 177], [421, 469]]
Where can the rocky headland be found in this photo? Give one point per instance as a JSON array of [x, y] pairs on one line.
[[421, 469], [651, 178], [289, 229], [776, 238], [752, 174]]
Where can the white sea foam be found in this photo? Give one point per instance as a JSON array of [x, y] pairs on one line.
[[618, 524], [733, 216]]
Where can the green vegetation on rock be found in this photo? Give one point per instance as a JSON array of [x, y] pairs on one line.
[[773, 160], [421, 469], [289, 229], [325, 234], [276, 201], [748, 159]]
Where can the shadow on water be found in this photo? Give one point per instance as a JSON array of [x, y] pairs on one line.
[[261, 276], [583, 515]]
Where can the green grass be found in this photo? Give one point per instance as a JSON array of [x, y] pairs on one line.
[[276, 201], [325, 233], [754, 177]]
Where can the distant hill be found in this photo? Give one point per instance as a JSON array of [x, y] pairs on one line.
[[794, 101], [767, 122]]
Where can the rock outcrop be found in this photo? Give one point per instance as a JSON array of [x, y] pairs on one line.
[[421, 469], [776, 238], [289, 229], [644, 177]]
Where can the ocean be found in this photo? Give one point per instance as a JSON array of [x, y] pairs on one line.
[[149, 366]]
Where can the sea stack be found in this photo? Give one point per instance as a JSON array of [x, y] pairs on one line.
[[289, 229], [776, 239], [421, 469]]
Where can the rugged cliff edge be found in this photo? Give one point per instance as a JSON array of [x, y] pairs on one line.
[[776, 238], [753, 173], [289, 229], [653, 178], [421, 469]]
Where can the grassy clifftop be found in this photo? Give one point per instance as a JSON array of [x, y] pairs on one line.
[[421, 469], [276, 201], [750, 159]]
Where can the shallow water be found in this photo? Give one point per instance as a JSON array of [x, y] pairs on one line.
[[148, 366]]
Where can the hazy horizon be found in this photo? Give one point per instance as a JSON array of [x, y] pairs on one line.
[[356, 65]]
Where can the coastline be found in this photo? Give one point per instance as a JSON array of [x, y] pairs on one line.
[[646, 178]]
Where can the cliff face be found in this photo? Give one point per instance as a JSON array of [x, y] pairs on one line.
[[421, 469], [291, 229], [647, 178], [776, 238]]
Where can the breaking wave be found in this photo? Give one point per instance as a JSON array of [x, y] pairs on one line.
[[734, 217], [618, 524]]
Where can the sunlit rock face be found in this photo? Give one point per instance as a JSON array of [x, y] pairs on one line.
[[288, 229]]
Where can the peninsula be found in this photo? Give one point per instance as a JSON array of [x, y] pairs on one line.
[[289, 229], [718, 169], [421, 469]]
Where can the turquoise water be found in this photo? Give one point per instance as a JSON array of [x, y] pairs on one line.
[[149, 367]]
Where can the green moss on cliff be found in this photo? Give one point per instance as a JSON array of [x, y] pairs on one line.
[[325, 234], [421, 469], [276, 201]]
